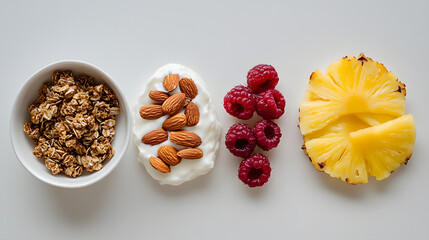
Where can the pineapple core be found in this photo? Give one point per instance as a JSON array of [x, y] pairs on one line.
[[355, 104], [353, 121]]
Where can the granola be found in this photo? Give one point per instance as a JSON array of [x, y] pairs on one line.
[[72, 124]]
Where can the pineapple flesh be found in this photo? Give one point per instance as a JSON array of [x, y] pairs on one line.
[[353, 121]]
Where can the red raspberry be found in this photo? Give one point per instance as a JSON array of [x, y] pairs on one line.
[[240, 140], [267, 134], [255, 170], [261, 78], [240, 102], [270, 104]]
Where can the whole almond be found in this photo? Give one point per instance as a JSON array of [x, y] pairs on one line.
[[155, 137], [192, 114], [174, 104], [170, 82], [175, 122], [185, 138], [151, 111], [168, 154], [188, 87], [190, 153], [159, 165], [158, 96]]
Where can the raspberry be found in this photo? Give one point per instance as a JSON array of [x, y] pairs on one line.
[[255, 170], [261, 78], [240, 102], [267, 134], [240, 140], [270, 104]]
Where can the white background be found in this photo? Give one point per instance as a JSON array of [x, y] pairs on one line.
[[221, 40]]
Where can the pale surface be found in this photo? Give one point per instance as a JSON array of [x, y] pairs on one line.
[[221, 40]]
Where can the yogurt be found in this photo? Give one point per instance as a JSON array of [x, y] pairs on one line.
[[208, 128]]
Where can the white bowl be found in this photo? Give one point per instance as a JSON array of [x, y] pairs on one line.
[[23, 145]]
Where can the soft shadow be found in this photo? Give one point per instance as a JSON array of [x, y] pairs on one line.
[[256, 193], [80, 206], [197, 184], [359, 191], [343, 189], [334, 185], [393, 180]]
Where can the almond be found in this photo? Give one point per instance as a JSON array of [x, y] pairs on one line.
[[170, 82], [168, 154], [158, 96], [155, 137], [187, 101], [159, 165], [174, 104], [188, 87], [185, 138], [175, 122], [190, 153], [192, 114], [151, 111]]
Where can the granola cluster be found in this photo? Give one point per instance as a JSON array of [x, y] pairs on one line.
[[73, 124]]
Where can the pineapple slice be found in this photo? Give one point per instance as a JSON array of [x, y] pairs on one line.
[[352, 86], [353, 121], [386, 146]]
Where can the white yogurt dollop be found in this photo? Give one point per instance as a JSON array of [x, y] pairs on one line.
[[208, 128]]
